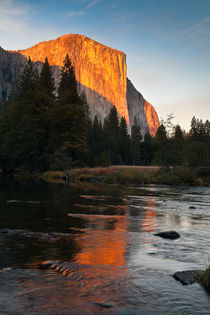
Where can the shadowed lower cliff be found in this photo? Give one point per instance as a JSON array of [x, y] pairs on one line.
[[144, 112]]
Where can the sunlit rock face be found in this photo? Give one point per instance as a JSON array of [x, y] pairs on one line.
[[152, 118], [100, 72]]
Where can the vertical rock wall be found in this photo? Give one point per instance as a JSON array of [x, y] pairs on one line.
[[100, 72], [152, 118], [11, 65]]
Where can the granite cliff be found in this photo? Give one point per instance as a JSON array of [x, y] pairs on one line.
[[144, 112], [11, 65], [101, 73]]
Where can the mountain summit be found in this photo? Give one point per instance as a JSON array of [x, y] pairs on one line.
[[101, 73]]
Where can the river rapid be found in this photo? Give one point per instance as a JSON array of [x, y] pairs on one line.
[[105, 235]]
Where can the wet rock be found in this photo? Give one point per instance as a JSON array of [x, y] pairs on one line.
[[168, 234], [4, 231], [47, 264], [52, 234], [192, 207], [104, 305], [187, 277], [6, 269]]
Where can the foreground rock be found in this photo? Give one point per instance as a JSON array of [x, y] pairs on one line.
[[168, 234], [187, 277]]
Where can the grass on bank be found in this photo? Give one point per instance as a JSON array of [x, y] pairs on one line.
[[53, 176], [204, 278], [137, 175]]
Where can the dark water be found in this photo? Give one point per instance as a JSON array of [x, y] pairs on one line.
[[105, 234]]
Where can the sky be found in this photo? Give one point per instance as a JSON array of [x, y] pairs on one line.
[[167, 43]]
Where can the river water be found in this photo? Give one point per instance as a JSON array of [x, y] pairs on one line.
[[105, 235]]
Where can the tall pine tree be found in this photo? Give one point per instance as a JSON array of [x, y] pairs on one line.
[[124, 142], [67, 91], [161, 154], [69, 119], [147, 150], [135, 142], [111, 132], [28, 81], [46, 80]]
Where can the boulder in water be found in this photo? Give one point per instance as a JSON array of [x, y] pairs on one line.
[[104, 305], [168, 234], [187, 277]]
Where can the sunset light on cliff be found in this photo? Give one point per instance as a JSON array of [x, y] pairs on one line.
[[104, 157], [166, 43], [99, 68]]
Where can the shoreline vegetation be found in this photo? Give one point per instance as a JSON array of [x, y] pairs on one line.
[[135, 175], [204, 279], [47, 128]]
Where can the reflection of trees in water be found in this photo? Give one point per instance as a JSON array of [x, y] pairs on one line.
[[49, 217], [26, 250]]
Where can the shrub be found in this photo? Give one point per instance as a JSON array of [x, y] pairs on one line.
[[204, 279]]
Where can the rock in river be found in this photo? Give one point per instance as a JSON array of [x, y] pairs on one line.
[[168, 234], [187, 277], [104, 305]]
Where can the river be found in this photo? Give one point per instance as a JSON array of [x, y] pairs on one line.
[[105, 235]]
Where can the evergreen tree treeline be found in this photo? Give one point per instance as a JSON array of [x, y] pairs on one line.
[[111, 144], [40, 131]]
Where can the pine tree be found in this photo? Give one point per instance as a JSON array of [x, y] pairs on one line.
[[197, 149], [46, 80], [147, 150], [86, 109], [95, 143], [67, 91], [68, 134], [124, 142], [161, 146], [135, 142], [194, 128], [111, 136], [178, 146], [28, 80]]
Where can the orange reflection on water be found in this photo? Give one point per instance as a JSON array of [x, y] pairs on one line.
[[149, 221], [104, 247]]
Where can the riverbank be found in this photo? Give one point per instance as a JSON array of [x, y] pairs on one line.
[[136, 175]]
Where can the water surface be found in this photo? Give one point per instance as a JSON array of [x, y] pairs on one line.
[[105, 234]]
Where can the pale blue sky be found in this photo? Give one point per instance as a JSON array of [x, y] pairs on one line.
[[167, 43]]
